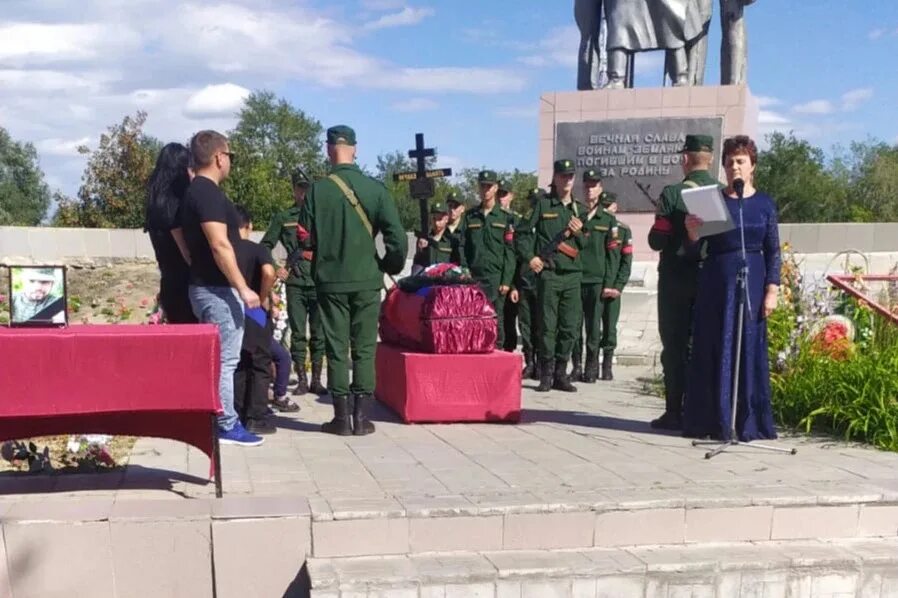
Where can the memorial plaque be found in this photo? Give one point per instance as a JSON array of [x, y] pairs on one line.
[[636, 157]]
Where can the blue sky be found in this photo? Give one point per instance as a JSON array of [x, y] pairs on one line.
[[466, 73]]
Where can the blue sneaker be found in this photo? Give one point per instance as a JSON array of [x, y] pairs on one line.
[[239, 436]]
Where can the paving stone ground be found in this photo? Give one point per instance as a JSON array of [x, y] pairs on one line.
[[590, 445]]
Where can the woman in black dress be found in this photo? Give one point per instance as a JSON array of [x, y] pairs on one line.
[[166, 188]]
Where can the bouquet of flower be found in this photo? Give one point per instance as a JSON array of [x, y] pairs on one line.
[[833, 337], [279, 309]]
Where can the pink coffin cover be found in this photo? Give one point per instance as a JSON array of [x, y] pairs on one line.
[[439, 319]]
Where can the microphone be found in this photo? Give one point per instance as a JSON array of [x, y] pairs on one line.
[[739, 187]]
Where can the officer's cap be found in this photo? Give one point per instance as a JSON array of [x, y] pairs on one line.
[[299, 178], [504, 187], [438, 207], [607, 198], [699, 143], [591, 175], [341, 135], [563, 166], [453, 197], [535, 194], [487, 176]]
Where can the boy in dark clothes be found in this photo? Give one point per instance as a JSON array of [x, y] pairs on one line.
[[253, 375]]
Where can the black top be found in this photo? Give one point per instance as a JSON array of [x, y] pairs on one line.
[[172, 266], [205, 202], [250, 259]]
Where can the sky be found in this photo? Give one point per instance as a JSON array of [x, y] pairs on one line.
[[468, 74]]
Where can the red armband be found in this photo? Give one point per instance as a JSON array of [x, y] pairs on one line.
[[662, 225], [612, 245], [509, 235], [627, 250], [302, 234]]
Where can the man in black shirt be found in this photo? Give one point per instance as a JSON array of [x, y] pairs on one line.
[[253, 376], [218, 291]]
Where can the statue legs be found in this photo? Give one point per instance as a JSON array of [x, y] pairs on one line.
[[677, 66], [733, 46], [617, 68], [588, 14]]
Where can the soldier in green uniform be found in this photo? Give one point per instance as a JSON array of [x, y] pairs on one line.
[[439, 247], [528, 306], [302, 301], [456, 207], [678, 276], [598, 226], [550, 242], [488, 247], [512, 298], [341, 218], [618, 275]]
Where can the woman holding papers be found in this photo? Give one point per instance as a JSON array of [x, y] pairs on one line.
[[707, 409]]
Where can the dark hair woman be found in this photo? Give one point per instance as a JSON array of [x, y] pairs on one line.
[[708, 406], [165, 191]]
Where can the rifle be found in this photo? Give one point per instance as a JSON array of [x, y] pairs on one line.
[[645, 192], [547, 255]]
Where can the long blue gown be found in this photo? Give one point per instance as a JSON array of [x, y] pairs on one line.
[[707, 406]]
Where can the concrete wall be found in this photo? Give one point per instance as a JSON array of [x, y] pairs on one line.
[[68, 245]]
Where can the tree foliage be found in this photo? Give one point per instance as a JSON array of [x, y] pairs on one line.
[[113, 186], [270, 140], [24, 196], [521, 183]]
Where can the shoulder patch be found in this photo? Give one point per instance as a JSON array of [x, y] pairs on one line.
[[549, 215]]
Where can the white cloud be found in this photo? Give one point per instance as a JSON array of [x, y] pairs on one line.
[[767, 101], [216, 100], [814, 107], [854, 98], [61, 147], [876, 33], [768, 117], [415, 105], [518, 111], [559, 47], [448, 79], [24, 44], [383, 4], [407, 16]]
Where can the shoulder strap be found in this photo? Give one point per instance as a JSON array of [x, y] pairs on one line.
[[354, 202], [690, 183]]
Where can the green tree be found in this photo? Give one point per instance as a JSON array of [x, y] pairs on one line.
[[271, 138], [796, 175], [521, 183], [113, 186], [24, 196]]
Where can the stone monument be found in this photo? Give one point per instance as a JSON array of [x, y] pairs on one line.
[[634, 136]]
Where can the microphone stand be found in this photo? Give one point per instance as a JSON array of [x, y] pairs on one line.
[[744, 300]]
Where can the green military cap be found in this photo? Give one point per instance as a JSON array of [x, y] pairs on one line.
[[591, 175], [341, 134], [564, 166], [607, 198], [504, 187], [487, 176], [299, 178], [535, 194], [438, 207], [699, 143], [452, 196], [42, 274]]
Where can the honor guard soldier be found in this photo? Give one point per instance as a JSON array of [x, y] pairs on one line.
[[456, 206], [439, 247], [678, 276], [620, 251], [488, 247], [506, 197], [551, 242], [528, 306], [598, 230], [302, 300], [342, 216]]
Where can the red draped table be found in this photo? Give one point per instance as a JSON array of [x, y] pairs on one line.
[[158, 381]]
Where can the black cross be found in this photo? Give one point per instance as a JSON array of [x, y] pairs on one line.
[[420, 153]]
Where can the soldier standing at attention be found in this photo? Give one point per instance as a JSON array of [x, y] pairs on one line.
[[599, 227], [456, 215], [554, 232], [528, 306], [339, 221], [487, 250], [302, 300], [678, 276], [506, 196], [439, 247], [618, 275]]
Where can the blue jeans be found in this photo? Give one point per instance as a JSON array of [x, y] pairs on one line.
[[282, 363], [222, 306]]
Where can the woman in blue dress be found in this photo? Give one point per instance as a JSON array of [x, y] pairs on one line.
[[707, 407]]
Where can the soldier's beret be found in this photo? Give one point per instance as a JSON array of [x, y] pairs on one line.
[[564, 166], [341, 134], [487, 176], [699, 143], [591, 175]]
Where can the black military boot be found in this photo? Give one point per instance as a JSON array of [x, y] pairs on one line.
[[529, 368], [303, 386], [315, 387], [607, 360], [545, 375], [341, 425], [360, 423], [562, 382], [591, 372], [577, 370], [535, 374]]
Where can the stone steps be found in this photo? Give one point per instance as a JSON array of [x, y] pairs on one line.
[[866, 568], [409, 525]]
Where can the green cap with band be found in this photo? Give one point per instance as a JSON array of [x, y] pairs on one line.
[[341, 135], [698, 143], [564, 166]]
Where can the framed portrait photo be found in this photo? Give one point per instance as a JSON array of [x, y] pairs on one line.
[[37, 296]]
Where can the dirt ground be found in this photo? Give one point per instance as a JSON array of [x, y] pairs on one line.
[[114, 294]]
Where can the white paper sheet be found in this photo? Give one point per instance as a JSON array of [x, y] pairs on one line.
[[708, 204]]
